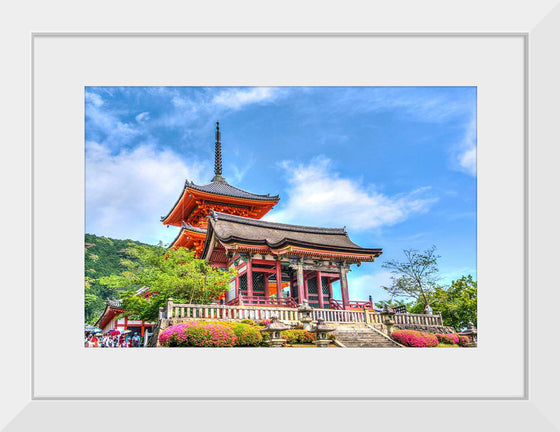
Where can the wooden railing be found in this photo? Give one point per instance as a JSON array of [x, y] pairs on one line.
[[418, 319], [224, 312], [352, 304], [291, 314], [334, 315], [263, 301]]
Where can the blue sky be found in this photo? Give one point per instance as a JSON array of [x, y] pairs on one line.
[[395, 165]]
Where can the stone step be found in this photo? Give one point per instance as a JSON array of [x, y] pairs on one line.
[[361, 336]]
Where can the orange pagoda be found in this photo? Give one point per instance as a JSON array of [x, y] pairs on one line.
[[277, 264], [193, 207]]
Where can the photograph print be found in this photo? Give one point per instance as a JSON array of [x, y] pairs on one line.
[[289, 217]]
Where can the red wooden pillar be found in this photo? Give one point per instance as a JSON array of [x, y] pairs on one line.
[[278, 279], [306, 289], [236, 286], [250, 277], [142, 331], [320, 290]]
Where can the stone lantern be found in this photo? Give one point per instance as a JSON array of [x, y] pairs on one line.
[[274, 330], [470, 332], [305, 315], [321, 329], [387, 315]]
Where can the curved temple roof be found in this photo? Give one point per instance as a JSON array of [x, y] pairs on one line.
[[218, 190], [230, 229], [222, 187]]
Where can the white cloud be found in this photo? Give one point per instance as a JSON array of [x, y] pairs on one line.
[[237, 98], [94, 99], [114, 131], [466, 157], [128, 192], [142, 117], [360, 286], [319, 196]]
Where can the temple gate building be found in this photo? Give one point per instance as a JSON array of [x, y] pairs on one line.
[[277, 264]]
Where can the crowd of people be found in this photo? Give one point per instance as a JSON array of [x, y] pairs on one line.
[[98, 340]]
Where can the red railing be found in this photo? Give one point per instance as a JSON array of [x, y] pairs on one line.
[[352, 304], [263, 301]]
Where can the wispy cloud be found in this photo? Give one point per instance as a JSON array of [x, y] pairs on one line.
[[425, 104], [239, 97], [127, 193], [318, 195], [105, 126], [466, 150], [142, 117], [363, 285]]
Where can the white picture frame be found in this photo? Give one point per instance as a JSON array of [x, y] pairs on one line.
[[535, 409]]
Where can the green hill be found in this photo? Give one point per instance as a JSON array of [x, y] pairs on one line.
[[102, 258]]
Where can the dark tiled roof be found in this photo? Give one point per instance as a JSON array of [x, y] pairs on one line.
[[221, 187], [114, 303], [231, 229], [193, 228]]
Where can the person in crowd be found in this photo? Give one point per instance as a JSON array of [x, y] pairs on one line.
[[428, 310], [135, 340]]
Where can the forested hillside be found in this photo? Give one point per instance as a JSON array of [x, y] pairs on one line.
[[102, 258]]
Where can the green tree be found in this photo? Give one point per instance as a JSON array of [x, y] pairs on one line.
[[415, 277], [457, 303], [92, 302], [169, 273]]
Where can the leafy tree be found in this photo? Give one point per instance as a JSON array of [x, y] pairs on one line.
[[92, 302], [102, 257], [458, 303], [415, 277], [169, 273]]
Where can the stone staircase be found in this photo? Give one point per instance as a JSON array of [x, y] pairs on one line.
[[362, 336]]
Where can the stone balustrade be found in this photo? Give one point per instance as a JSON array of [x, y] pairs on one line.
[[179, 312]]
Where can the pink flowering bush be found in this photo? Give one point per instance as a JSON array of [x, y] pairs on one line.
[[463, 341], [413, 338], [450, 339], [198, 334]]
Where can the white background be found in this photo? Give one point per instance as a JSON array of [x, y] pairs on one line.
[[539, 19], [65, 64]]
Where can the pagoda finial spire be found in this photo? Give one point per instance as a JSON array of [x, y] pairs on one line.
[[218, 160]]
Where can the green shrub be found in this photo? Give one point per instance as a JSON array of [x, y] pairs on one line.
[[296, 336], [248, 321], [247, 334]]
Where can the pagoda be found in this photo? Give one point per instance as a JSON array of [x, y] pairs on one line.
[[276, 264], [195, 203]]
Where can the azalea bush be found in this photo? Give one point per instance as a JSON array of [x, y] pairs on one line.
[[198, 334], [248, 321], [413, 338], [298, 336], [463, 341], [247, 334], [450, 339]]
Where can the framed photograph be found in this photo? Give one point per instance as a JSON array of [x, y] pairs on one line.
[[507, 381]]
